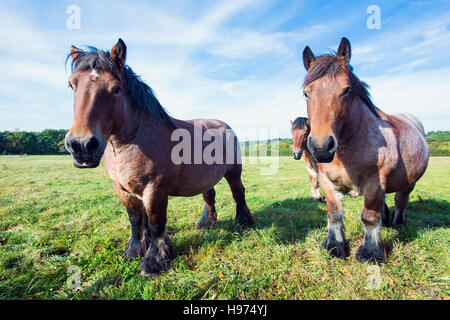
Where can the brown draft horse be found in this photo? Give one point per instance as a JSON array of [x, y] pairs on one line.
[[358, 146], [117, 114], [300, 129]]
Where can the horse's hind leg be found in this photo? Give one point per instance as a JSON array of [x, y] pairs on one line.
[[401, 203], [385, 216], [243, 215], [209, 215], [139, 238]]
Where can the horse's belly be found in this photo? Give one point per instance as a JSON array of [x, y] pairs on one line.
[[193, 180]]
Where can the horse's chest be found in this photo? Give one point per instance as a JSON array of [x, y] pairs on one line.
[[126, 174], [341, 179]]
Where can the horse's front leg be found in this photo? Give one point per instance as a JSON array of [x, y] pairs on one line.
[[159, 255], [372, 248], [313, 181], [335, 242], [139, 238]]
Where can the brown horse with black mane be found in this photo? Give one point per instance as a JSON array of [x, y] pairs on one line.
[[358, 146], [117, 114], [300, 130]]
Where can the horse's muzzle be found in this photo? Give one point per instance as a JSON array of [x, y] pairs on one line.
[[297, 154], [323, 152], [86, 152]]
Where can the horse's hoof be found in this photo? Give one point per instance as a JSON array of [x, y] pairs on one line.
[[373, 255], [245, 221], [204, 225], [337, 249], [135, 250], [398, 222], [320, 199], [158, 260], [153, 265]]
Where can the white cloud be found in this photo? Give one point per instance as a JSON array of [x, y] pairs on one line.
[[425, 94]]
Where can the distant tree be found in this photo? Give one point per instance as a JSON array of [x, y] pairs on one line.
[[22, 142], [438, 136], [61, 147], [48, 141]]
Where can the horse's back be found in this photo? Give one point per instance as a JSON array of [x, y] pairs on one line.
[[196, 177], [412, 120], [210, 123]]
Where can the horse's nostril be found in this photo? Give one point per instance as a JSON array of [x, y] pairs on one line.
[[92, 145], [331, 144], [76, 146]]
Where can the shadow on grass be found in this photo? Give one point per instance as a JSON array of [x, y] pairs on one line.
[[423, 215], [292, 219]]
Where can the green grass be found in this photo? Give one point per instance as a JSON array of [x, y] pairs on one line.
[[53, 215]]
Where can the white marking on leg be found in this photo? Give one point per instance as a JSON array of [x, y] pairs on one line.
[[204, 221], [372, 236], [401, 214], [161, 241], [336, 229]]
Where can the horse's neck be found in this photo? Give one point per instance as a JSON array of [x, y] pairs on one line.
[[134, 123], [359, 121]]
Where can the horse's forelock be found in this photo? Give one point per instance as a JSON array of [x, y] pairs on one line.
[[300, 123], [93, 59]]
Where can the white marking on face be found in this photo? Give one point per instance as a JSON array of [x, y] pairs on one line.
[[94, 75]]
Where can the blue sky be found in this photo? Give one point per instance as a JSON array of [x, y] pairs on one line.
[[239, 61]]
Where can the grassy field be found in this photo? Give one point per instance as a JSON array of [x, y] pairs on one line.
[[53, 216]]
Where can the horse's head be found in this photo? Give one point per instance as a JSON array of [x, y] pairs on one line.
[[98, 98], [327, 89], [300, 131]]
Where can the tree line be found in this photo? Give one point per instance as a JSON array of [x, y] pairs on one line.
[[51, 141]]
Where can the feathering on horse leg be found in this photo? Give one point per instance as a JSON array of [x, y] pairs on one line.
[[160, 253]]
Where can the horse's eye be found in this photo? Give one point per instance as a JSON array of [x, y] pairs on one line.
[[305, 95], [70, 86], [346, 92], [116, 90]]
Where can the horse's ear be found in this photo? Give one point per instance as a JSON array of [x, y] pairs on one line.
[[344, 52], [308, 123], [119, 54], [308, 57], [74, 52]]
